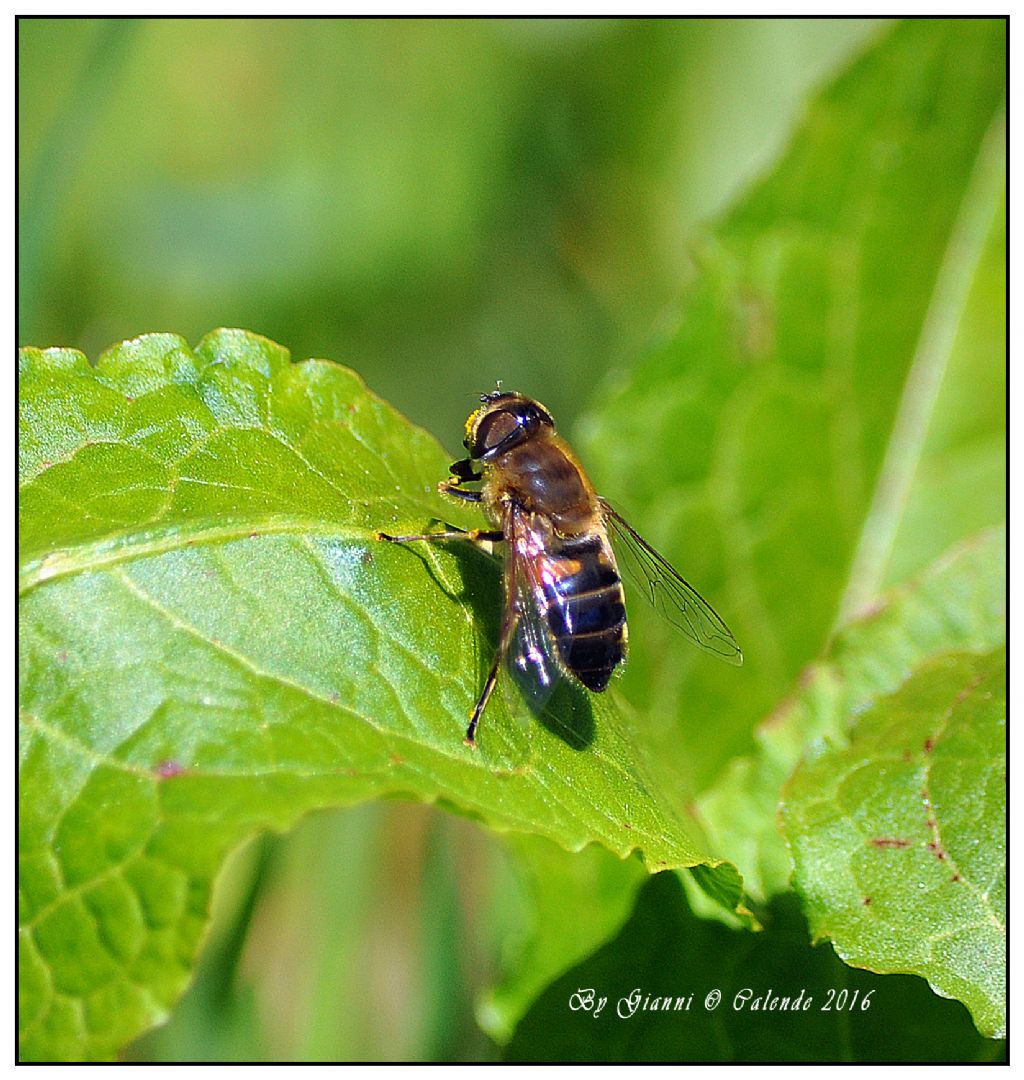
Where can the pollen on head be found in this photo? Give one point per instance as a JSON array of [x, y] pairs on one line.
[[470, 425]]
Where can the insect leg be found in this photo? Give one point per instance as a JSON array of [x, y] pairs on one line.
[[447, 487], [508, 625], [463, 470], [475, 536]]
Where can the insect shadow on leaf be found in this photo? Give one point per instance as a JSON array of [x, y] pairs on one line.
[[567, 712]]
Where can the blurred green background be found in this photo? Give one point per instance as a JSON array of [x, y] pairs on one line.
[[437, 204]]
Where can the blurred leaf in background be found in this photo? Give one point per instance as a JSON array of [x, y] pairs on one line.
[[439, 203], [784, 446], [828, 419]]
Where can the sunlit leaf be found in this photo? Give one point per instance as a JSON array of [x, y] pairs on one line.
[[959, 604], [212, 643], [898, 838]]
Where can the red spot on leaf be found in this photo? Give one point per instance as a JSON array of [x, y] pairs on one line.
[[867, 901], [955, 877], [889, 842], [929, 745], [166, 769]]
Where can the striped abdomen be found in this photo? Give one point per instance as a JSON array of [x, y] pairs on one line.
[[585, 609]]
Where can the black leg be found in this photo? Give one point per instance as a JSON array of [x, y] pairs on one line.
[[508, 624], [508, 619], [475, 536], [448, 488], [463, 470]]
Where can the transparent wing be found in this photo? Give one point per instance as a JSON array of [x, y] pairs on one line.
[[532, 657], [669, 593]]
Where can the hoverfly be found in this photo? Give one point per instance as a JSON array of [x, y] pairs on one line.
[[564, 608]]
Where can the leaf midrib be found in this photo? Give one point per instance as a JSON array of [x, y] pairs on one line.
[[117, 548], [451, 753], [936, 340]]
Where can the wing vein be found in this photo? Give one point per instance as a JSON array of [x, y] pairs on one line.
[[669, 593]]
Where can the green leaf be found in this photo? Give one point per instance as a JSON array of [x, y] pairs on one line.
[[213, 643], [959, 483], [665, 952], [826, 420], [898, 839], [779, 445], [958, 604], [577, 902]]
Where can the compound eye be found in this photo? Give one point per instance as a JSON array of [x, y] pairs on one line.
[[494, 429]]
